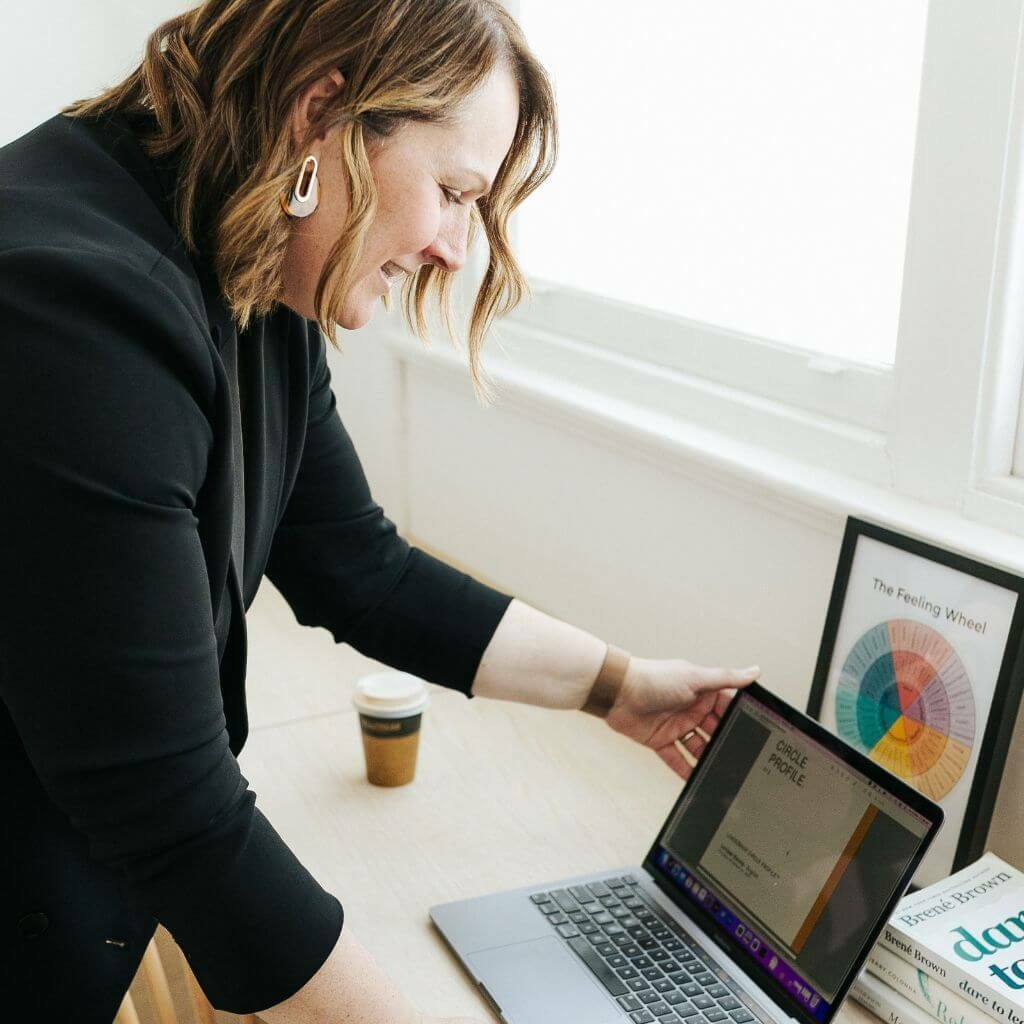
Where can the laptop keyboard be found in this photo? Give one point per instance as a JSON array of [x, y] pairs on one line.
[[650, 964]]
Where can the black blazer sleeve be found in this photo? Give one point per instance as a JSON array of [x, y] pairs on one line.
[[108, 658], [340, 563]]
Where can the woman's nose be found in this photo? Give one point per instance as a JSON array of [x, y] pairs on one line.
[[448, 250]]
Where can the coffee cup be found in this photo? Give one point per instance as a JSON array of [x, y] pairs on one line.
[[390, 706]]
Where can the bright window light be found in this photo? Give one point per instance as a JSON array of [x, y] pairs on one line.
[[745, 163]]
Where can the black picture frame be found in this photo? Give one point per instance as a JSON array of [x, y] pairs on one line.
[[995, 728]]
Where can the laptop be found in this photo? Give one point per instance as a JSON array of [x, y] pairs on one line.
[[758, 902]]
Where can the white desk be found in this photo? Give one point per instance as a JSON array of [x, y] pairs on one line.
[[505, 795]]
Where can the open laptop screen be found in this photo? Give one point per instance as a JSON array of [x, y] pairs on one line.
[[794, 853]]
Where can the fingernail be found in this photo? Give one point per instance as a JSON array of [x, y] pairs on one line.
[[754, 670]]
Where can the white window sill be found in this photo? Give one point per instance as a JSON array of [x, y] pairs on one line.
[[805, 489], [736, 412]]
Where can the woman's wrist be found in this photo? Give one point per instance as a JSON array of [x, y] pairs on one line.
[[608, 682], [534, 658]]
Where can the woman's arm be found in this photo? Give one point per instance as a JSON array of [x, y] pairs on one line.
[[352, 988], [534, 658], [341, 564], [670, 705]]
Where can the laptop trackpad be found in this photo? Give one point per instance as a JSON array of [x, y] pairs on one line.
[[541, 981]]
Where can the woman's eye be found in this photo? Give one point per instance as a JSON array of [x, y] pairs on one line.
[[451, 196]]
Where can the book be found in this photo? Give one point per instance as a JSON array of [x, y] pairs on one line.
[[967, 932], [886, 1002], [937, 1002]]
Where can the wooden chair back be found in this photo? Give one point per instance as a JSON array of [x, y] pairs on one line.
[[152, 990]]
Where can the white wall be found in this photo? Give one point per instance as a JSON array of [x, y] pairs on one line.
[[54, 53], [657, 555]]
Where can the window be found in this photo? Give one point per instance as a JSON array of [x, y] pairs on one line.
[[742, 164], [839, 280]]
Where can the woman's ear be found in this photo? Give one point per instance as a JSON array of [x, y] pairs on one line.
[[309, 101]]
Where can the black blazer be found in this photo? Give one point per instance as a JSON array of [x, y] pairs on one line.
[[122, 626]]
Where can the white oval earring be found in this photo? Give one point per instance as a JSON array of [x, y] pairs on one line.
[[306, 194]]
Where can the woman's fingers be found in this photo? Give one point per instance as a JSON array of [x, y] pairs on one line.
[[716, 705], [708, 724], [679, 758], [720, 705]]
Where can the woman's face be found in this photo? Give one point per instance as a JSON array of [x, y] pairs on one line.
[[427, 178]]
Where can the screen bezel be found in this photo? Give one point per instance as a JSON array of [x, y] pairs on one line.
[[932, 812]]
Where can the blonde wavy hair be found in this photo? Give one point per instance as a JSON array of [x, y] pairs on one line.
[[221, 79]]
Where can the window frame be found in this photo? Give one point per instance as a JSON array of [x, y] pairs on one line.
[[940, 424]]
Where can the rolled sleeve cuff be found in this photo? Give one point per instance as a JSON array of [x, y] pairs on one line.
[[263, 931], [435, 622]]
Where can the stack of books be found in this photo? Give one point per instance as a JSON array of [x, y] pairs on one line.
[[952, 953]]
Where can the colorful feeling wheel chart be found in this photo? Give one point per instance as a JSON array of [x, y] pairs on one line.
[[905, 699]]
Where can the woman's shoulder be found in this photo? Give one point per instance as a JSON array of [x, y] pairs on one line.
[[81, 223], [85, 188]]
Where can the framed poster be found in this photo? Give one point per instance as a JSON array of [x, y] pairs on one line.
[[920, 668]]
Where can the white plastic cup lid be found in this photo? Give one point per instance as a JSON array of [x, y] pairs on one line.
[[391, 695]]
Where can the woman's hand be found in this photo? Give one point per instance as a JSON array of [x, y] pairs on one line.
[[661, 702]]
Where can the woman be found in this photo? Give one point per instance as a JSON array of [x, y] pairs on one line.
[[172, 253]]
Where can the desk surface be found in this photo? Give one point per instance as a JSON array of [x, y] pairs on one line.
[[505, 795]]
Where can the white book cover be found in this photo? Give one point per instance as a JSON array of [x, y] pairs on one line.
[[886, 1002], [924, 991], [967, 931]]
